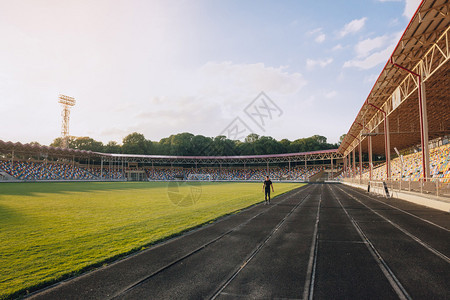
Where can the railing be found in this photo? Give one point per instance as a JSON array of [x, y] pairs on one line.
[[432, 186]]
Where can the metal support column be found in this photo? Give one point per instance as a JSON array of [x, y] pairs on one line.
[[370, 157], [353, 163], [387, 141], [423, 120], [424, 130], [345, 166], [332, 167], [360, 161], [388, 148], [289, 170]]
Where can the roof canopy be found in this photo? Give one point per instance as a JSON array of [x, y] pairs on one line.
[[46, 151], [424, 49]]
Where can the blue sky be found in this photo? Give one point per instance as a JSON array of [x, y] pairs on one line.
[[165, 67]]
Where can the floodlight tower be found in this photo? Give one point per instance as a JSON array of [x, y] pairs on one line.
[[66, 103]]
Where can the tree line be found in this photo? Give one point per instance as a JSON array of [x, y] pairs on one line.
[[188, 144]]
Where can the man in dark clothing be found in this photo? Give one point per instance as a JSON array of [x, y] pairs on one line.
[[266, 188]]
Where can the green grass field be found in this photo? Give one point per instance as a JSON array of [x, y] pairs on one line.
[[50, 231]]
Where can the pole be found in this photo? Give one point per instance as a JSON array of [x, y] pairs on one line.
[[332, 169], [360, 161], [388, 148], [353, 163], [345, 166], [123, 171], [423, 121], [101, 169], [289, 169], [370, 158], [386, 141]]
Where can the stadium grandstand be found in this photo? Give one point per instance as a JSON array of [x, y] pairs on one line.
[[25, 162], [405, 117]]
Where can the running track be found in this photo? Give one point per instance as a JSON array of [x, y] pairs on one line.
[[320, 241]]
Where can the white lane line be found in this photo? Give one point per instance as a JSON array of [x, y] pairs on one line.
[[176, 261], [428, 247], [404, 211], [258, 248], [308, 289], [388, 273]]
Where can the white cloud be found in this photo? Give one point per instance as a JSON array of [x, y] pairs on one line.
[[365, 47], [337, 47], [370, 79], [208, 98], [373, 51], [411, 7], [228, 77], [330, 94], [312, 63], [353, 27], [319, 35], [371, 60], [320, 38]]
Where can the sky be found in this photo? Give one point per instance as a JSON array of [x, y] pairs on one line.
[[287, 69]]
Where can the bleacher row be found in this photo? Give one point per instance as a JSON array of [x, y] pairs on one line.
[[236, 174], [54, 171], [412, 166], [412, 170], [32, 171]]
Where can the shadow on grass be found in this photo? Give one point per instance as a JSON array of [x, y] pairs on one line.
[[32, 188], [9, 216]]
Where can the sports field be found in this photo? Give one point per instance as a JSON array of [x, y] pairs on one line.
[[50, 231]]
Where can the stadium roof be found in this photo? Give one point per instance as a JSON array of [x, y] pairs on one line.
[[424, 49], [45, 151], [38, 149], [285, 157]]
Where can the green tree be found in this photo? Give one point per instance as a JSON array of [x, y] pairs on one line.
[[181, 144], [202, 145], [251, 138], [58, 142], [112, 147], [267, 145], [341, 138], [285, 143], [223, 146], [86, 143], [135, 143]]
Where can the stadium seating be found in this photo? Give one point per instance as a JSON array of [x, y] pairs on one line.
[[45, 171], [234, 174], [32, 171], [412, 170], [412, 166]]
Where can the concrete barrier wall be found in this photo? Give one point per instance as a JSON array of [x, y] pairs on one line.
[[417, 198]]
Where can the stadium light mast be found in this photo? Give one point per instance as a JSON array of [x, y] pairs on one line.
[[66, 102]]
